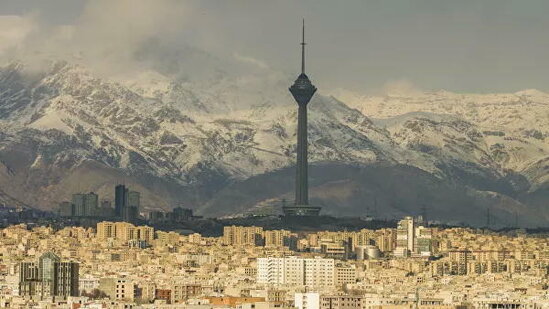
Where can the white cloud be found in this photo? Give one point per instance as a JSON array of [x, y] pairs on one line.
[[13, 31], [106, 36], [359, 45], [401, 87], [250, 60]]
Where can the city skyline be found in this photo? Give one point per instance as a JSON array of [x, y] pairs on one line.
[[152, 155], [117, 264]]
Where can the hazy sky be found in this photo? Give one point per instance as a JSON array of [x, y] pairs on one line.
[[457, 45]]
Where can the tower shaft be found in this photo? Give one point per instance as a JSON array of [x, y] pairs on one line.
[[302, 179]]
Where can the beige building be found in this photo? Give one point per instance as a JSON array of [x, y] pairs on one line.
[[117, 288], [340, 302], [344, 274], [145, 291], [242, 235], [124, 231], [106, 230], [275, 238], [182, 292]]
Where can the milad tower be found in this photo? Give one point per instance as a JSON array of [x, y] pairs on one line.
[[302, 90]]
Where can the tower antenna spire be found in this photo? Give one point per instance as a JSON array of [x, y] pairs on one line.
[[303, 48]]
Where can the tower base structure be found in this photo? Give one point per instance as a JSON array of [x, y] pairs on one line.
[[301, 211]]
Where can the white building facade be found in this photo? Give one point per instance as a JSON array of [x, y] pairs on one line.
[[314, 272]]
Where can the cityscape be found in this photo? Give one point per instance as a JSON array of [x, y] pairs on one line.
[[127, 182], [121, 265]]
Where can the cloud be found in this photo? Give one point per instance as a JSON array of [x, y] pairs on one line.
[[108, 36], [118, 39], [491, 45], [13, 31], [401, 87], [251, 60]]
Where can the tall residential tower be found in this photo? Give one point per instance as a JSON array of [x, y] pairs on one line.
[[49, 277]]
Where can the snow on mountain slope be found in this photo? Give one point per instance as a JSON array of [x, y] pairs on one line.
[[181, 139], [512, 130], [173, 136]]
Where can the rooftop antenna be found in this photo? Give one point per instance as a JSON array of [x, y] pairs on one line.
[[303, 48]]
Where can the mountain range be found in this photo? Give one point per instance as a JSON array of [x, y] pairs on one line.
[[225, 146]]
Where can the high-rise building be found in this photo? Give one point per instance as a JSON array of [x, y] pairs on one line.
[[91, 204], [66, 279], [105, 209], [386, 241], [106, 204], [85, 204], [156, 216], [28, 278], [134, 199], [134, 203], [126, 203], [181, 214], [302, 90], [66, 209], [413, 239], [46, 272], [423, 241], [120, 200], [405, 237], [78, 204], [130, 214], [49, 277]]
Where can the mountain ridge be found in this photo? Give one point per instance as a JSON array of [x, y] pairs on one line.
[[203, 138]]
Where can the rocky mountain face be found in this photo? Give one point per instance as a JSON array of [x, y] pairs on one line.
[[226, 146]]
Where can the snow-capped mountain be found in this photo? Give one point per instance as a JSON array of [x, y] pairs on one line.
[[226, 145], [511, 130]]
